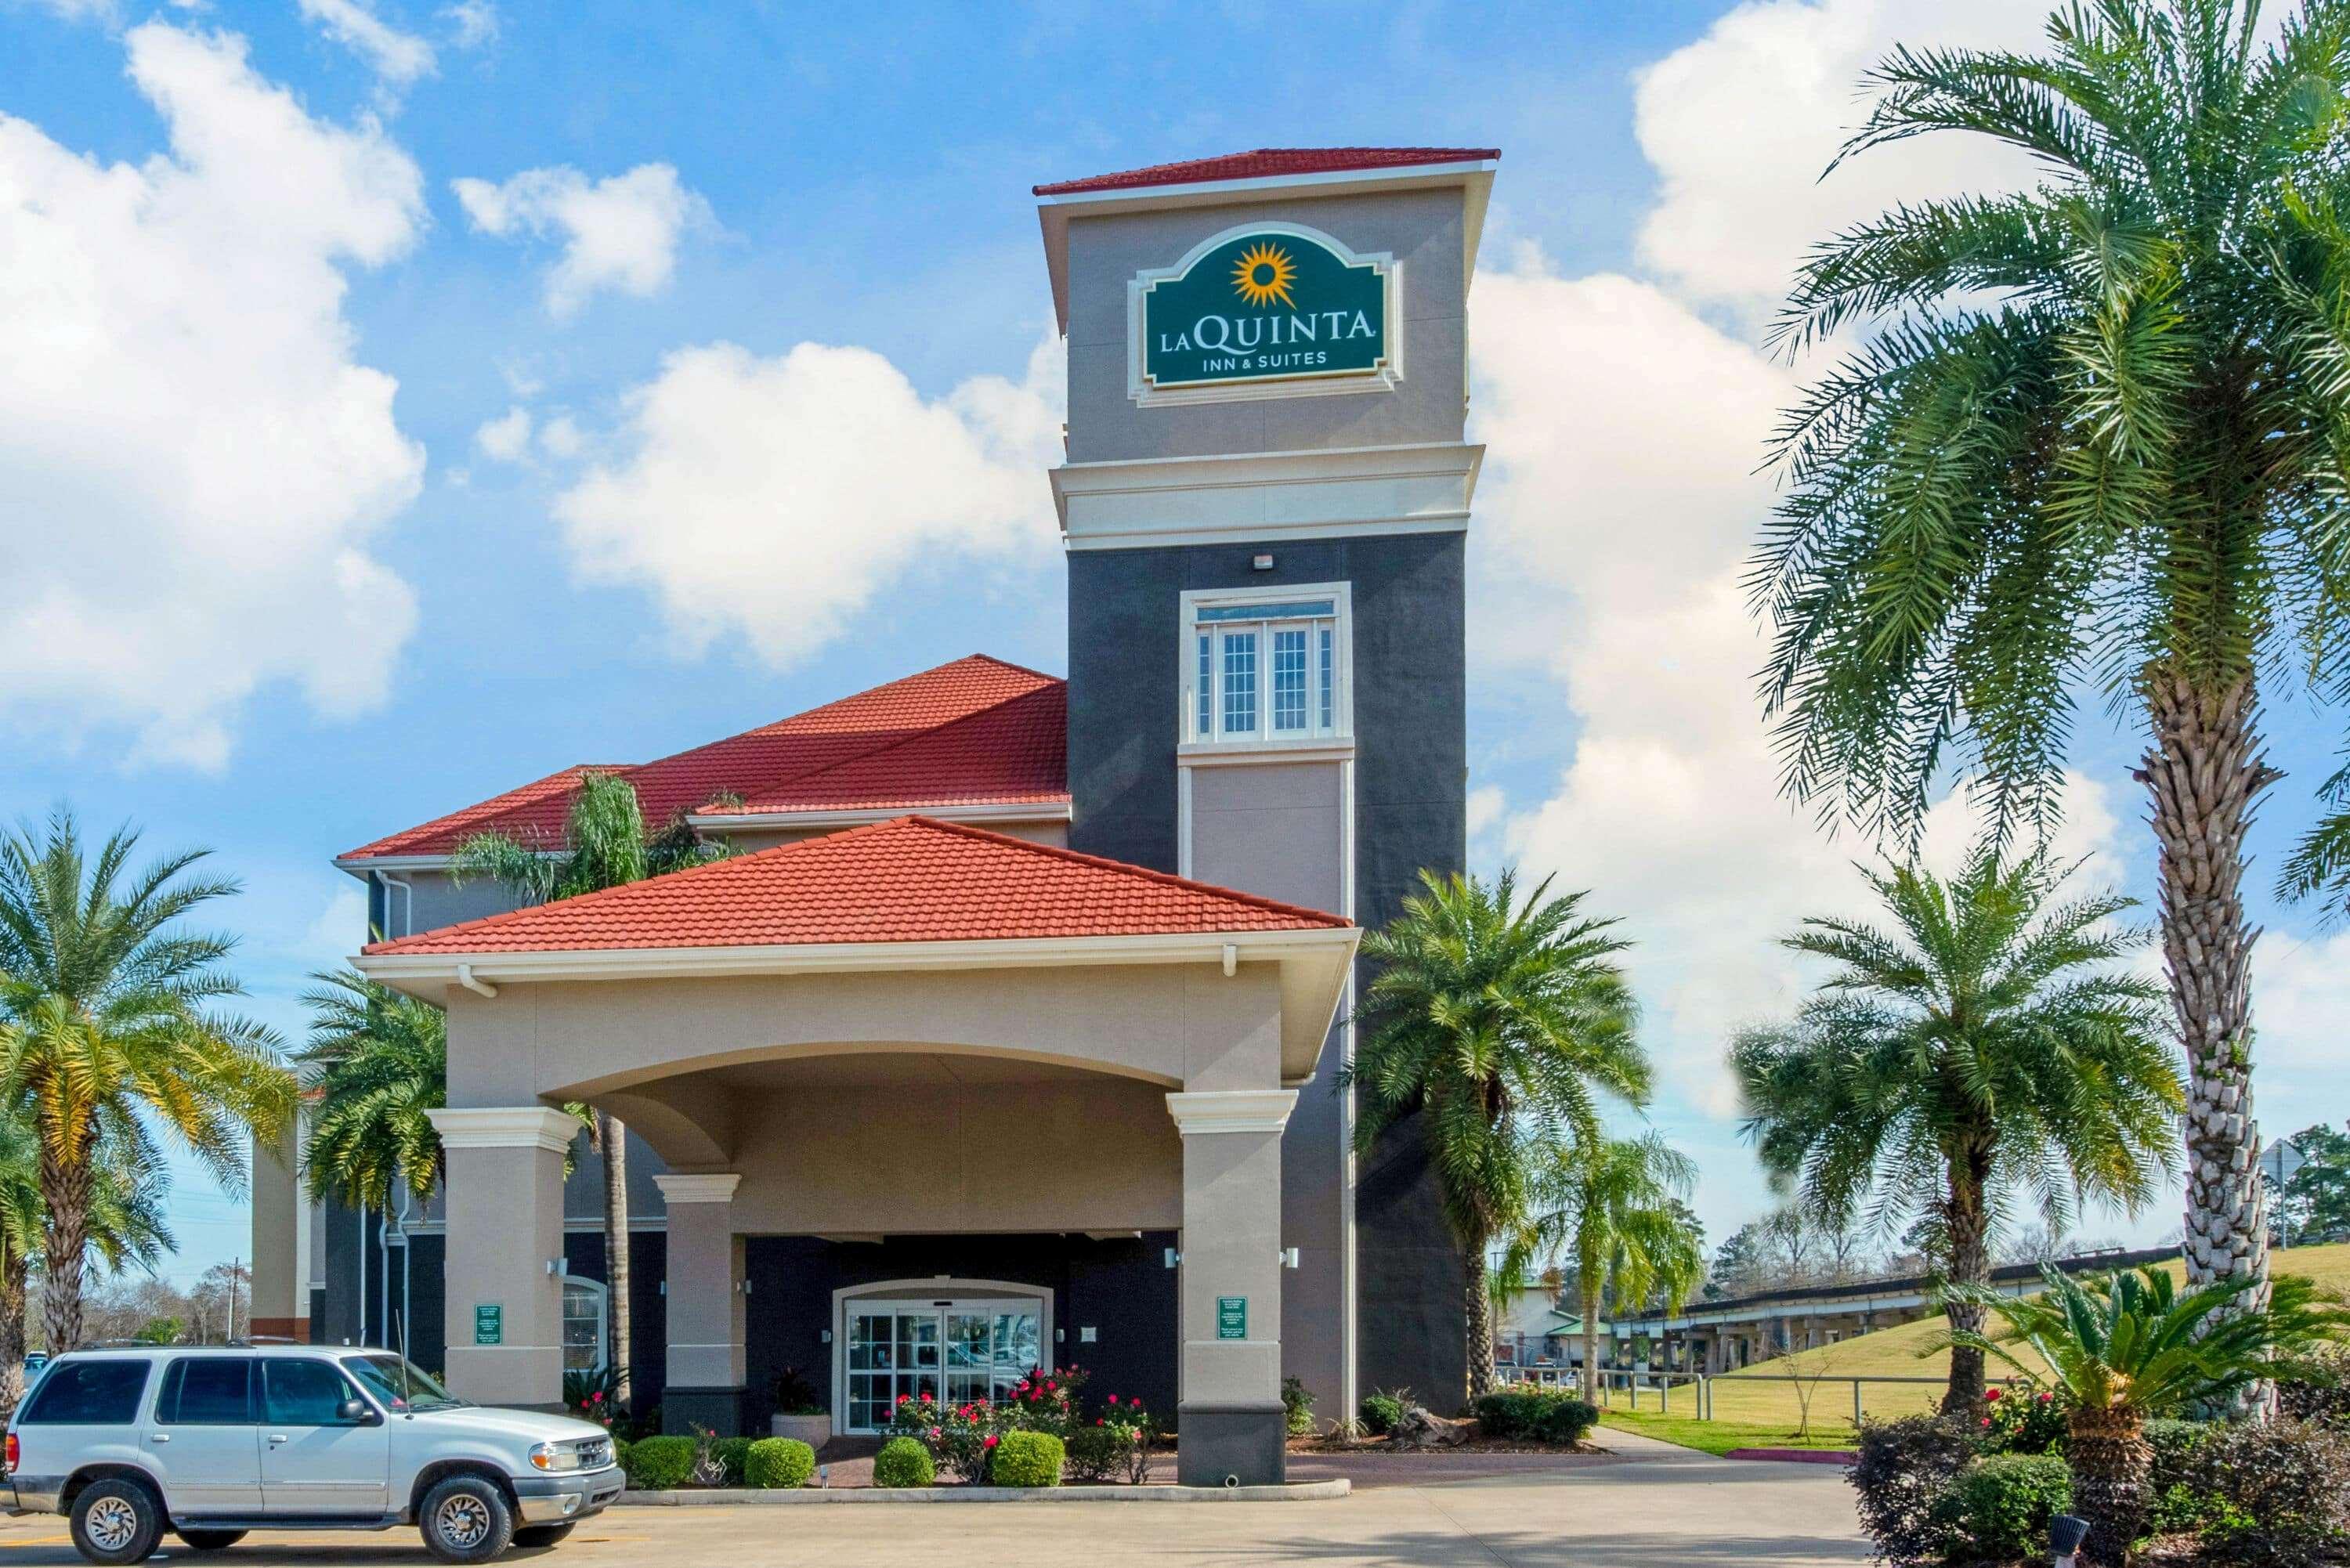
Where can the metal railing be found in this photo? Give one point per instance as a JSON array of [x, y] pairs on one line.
[[1627, 1385]]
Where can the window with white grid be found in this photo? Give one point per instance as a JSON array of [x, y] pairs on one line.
[[1264, 667]]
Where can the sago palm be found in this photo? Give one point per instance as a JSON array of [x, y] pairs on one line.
[[1616, 1207], [2095, 437], [1501, 1023], [109, 1013], [605, 843], [1991, 1047], [2117, 1350]]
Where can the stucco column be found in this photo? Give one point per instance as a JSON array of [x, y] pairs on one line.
[[705, 1303], [1230, 1417], [281, 1297], [503, 1298]]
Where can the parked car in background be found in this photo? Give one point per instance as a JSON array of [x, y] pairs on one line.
[[211, 1442]]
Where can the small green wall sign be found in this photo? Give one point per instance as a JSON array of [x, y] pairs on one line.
[[1231, 1317], [1266, 305], [489, 1322]]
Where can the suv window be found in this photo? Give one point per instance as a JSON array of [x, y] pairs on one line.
[[305, 1393], [100, 1392], [207, 1391]]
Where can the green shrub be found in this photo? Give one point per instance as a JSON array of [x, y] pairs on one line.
[[2319, 1389], [903, 1462], [1535, 1415], [2284, 1491], [733, 1453], [2021, 1421], [1027, 1459], [774, 1464], [659, 1464], [1297, 1406], [2174, 1444], [1998, 1507], [1381, 1411], [1901, 1470], [1098, 1453]]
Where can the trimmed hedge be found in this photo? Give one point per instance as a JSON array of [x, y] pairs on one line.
[[777, 1463], [1027, 1459], [904, 1462], [1997, 1509], [1535, 1415], [659, 1464], [733, 1453]]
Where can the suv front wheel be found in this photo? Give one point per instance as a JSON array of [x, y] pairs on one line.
[[465, 1519], [117, 1521]]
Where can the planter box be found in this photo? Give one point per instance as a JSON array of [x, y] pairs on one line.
[[815, 1431]]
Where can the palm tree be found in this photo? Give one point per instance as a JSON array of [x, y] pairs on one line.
[[378, 1064], [1617, 1206], [2096, 433], [605, 843], [105, 1015], [1989, 1048], [1498, 1020], [2117, 1350]]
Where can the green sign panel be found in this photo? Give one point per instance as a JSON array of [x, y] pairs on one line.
[[1231, 1317], [1263, 306], [489, 1322]]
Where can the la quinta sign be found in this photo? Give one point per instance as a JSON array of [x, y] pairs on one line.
[[1269, 310]]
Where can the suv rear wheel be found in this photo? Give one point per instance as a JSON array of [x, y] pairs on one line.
[[116, 1521], [465, 1519]]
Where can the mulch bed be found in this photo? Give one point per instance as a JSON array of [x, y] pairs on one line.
[[849, 1462]]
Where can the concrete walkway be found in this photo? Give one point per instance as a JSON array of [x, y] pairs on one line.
[[1656, 1507]]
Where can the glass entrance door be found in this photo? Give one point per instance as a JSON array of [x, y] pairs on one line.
[[960, 1351]]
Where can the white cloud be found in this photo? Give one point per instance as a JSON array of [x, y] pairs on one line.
[[560, 438], [2301, 1003], [1487, 806], [769, 499], [400, 58], [472, 24], [505, 438], [620, 233], [192, 462]]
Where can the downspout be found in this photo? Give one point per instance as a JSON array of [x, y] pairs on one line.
[[465, 977]]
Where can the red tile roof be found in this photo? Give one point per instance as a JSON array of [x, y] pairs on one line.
[[1268, 162], [768, 761], [909, 879], [1013, 752]]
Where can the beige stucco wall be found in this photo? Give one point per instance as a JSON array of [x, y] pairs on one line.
[[1095, 1155], [1176, 1025]]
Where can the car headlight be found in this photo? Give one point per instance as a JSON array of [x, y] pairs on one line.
[[555, 1457]]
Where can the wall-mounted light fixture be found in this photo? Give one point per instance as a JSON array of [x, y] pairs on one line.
[[1263, 563], [1173, 1257]]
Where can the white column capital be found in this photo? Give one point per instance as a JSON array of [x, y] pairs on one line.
[[1232, 1111], [704, 1186], [504, 1126]]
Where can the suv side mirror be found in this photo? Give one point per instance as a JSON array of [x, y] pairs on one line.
[[358, 1412]]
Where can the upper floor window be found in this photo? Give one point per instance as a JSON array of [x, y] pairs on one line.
[[1265, 665]]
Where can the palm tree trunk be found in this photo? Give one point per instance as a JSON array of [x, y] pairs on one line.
[[65, 1238], [614, 1138], [1480, 1305], [1589, 1290], [13, 1272], [2204, 772], [2111, 1463], [1967, 1227]]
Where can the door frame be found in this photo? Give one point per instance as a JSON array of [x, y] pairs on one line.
[[923, 1292]]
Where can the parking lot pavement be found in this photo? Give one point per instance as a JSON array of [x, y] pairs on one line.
[[1665, 1509]]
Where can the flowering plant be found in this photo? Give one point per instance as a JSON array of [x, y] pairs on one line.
[[2021, 1419], [958, 1436], [1044, 1402], [593, 1397], [1116, 1446]]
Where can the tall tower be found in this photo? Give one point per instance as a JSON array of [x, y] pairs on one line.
[[1265, 504]]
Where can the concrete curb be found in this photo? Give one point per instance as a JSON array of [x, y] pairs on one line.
[[720, 1496], [1796, 1456]]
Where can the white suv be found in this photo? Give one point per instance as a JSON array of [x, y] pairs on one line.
[[211, 1442]]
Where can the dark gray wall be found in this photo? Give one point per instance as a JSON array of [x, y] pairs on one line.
[[1411, 804]]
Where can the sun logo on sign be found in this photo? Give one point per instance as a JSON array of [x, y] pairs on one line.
[[1264, 274]]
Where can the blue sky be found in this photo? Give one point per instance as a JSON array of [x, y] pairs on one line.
[[549, 478]]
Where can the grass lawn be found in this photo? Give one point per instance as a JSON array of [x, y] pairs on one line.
[[1759, 1408], [1720, 1437]]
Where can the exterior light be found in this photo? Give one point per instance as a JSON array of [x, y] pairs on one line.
[[1261, 562], [2065, 1534]]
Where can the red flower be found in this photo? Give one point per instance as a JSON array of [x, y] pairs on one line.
[[1990, 1393], [990, 1441], [1049, 1383], [905, 1398], [1986, 1420], [2045, 1398], [598, 1397], [1098, 1420]]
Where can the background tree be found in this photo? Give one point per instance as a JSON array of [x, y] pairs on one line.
[[1500, 1021], [1992, 1046], [605, 843], [107, 1015], [2317, 1206], [377, 1063], [1613, 1205], [2096, 434]]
